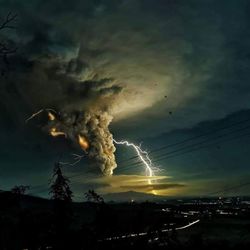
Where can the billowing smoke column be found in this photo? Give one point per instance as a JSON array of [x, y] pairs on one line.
[[89, 130], [79, 106]]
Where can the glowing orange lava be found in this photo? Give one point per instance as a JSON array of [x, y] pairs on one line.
[[84, 144], [51, 116], [55, 133]]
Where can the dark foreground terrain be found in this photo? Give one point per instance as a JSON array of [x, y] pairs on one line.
[[33, 223]]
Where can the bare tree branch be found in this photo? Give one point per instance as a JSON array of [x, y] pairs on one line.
[[8, 20], [5, 49]]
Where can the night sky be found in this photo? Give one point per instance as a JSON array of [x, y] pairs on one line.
[[173, 76]]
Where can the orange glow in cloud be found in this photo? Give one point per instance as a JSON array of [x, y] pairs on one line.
[[84, 144], [56, 133], [51, 116]]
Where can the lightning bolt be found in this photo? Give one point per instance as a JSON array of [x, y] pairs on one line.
[[143, 155], [77, 158], [39, 112]]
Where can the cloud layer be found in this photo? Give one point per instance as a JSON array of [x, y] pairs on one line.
[[123, 183], [159, 57]]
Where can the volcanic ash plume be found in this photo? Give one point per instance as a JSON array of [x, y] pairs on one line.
[[90, 131]]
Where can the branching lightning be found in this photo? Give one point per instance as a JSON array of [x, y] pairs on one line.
[[77, 158], [34, 115], [143, 155]]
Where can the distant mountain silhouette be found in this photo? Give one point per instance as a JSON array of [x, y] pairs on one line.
[[132, 196], [33, 201]]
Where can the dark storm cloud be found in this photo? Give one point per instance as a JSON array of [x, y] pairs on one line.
[[182, 50], [211, 162]]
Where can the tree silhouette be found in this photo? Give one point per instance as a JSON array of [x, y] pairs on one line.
[[20, 190], [62, 201], [5, 48], [60, 189], [92, 196]]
